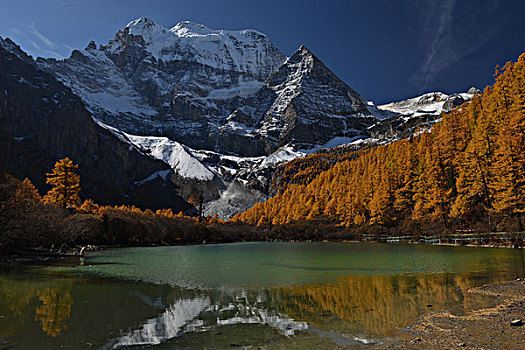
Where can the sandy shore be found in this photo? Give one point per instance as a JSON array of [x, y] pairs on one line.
[[487, 328]]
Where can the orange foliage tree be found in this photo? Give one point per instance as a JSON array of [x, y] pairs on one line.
[[65, 184]]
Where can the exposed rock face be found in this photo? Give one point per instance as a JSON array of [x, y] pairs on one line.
[[41, 121], [304, 104], [234, 199], [401, 126], [453, 102]]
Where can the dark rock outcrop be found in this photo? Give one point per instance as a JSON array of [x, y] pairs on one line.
[[42, 121], [452, 102]]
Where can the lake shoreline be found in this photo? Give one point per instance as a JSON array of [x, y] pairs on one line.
[[486, 328], [35, 255]]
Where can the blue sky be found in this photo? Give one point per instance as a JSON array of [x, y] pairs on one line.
[[385, 49]]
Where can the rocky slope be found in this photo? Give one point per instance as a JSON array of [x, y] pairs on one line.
[[41, 121]]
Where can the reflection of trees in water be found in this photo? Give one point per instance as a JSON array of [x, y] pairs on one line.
[[374, 304], [14, 300], [122, 313], [51, 300], [351, 306], [55, 310], [16, 296]]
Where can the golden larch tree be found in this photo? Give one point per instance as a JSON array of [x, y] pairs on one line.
[[65, 184]]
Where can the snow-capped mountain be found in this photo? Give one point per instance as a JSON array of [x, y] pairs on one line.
[[431, 103], [244, 51], [181, 82], [224, 108], [230, 92], [303, 103], [417, 112]]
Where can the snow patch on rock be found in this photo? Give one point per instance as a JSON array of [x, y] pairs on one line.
[[163, 174], [175, 155], [431, 103]]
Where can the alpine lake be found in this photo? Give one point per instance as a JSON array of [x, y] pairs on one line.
[[243, 295]]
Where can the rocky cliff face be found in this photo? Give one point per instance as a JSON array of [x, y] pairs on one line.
[[41, 121]]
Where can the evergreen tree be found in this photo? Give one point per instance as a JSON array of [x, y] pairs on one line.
[[509, 180], [28, 193]]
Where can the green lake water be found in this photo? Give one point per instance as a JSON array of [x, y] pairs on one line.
[[249, 295]]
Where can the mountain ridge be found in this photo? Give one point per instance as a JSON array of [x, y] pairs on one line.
[[464, 173], [141, 83]]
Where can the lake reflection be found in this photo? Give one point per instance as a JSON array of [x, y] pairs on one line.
[[340, 303]]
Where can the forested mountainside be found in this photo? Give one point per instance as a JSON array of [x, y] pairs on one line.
[[467, 172]]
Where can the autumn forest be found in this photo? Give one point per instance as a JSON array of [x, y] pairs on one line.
[[467, 172]]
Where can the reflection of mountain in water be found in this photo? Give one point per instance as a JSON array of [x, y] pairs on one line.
[[322, 310], [352, 309], [167, 325], [203, 313]]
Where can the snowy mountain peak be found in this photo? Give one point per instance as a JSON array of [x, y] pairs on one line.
[[302, 60], [304, 50], [188, 28], [246, 51], [432, 102], [149, 31], [141, 23], [192, 29], [91, 46], [301, 52]]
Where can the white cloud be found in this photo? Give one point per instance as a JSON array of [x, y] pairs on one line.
[[36, 43], [447, 34], [439, 52], [41, 37]]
